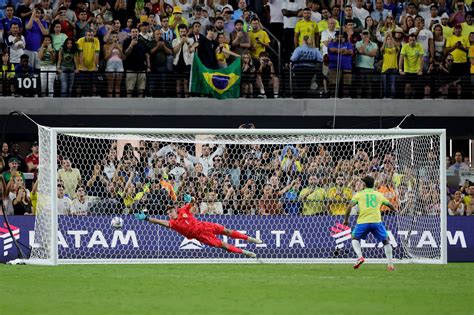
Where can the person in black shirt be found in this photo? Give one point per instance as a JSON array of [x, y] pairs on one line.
[[159, 52], [136, 64], [207, 48]]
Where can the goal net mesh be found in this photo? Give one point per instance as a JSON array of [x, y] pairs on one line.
[[289, 190]]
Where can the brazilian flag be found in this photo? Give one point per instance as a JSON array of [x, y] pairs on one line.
[[221, 83]]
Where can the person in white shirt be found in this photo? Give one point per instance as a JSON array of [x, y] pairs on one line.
[[458, 163], [425, 38], [276, 18], [327, 36], [16, 43], [424, 8], [211, 205], [291, 10], [359, 11], [433, 18], [64, 203], [315, 6], [81, 204], [207, 158]]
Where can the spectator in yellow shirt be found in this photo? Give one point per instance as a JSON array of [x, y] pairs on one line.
[[458, 46], [259, 40], [447, 30], [467, 26], [70, 176], [306, 27], [411, 64], [339, 196], [176, 19]]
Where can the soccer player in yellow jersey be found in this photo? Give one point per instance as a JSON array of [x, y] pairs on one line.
[[306, 27], [369, 220]]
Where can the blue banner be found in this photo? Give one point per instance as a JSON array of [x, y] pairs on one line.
[[92, 237]]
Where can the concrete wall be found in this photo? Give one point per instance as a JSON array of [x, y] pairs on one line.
[[237, 107]]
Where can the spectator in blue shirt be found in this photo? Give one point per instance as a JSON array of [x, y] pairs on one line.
[[340, 53], [306, 62], [7, 21]]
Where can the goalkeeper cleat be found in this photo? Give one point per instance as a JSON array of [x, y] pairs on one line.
[[254, 240], [391, 268], [249, 254], [359, 262]]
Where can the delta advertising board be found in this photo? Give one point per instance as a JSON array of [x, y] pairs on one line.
[[92, 237]]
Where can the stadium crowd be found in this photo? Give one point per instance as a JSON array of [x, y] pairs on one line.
[[422, 48], [244, 179]]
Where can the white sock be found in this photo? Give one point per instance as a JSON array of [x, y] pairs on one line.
[[388, 253], [262, 91], [357, 248]]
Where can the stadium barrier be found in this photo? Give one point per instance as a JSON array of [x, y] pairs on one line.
[[94, 239], [301, 80]]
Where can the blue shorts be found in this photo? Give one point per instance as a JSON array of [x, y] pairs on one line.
[[377, 229]]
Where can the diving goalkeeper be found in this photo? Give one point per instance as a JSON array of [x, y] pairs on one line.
[[183, 221], [369, 220]]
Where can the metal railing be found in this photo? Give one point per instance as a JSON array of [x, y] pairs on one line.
[[299, 81]]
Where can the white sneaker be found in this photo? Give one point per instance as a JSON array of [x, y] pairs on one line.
[[249, 254], [254, 240]]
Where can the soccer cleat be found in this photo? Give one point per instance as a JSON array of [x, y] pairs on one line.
[[249, 254], [254, 240], [391, 268], [359, 262]]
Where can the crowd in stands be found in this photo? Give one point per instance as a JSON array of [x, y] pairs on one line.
[[229, 179], [423, 48]]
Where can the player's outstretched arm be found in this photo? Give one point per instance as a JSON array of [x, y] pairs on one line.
[[348, 212], [160, 222], [145, 217]]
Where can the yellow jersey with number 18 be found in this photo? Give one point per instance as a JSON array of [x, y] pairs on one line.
[[369, 202]]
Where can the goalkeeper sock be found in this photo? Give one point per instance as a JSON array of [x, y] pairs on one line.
[[235, 234], [233, 249], [388, 253], [357, 248]]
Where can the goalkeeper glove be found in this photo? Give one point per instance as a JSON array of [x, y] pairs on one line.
[[141, 216], [187, 198]]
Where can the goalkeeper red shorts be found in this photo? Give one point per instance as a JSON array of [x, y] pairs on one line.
[[208, 234]]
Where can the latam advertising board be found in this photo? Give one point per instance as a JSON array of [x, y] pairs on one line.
[[92, 237]]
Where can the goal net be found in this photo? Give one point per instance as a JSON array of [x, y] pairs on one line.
[[288, 187]]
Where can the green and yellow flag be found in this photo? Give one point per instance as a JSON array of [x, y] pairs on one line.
[[221, 83]]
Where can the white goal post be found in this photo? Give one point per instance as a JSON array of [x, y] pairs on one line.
[[288, 187]]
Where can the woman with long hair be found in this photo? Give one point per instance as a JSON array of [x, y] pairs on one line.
[[372, 28], [21, 202], [47, 58], [248, 75], [67, 66], [389, 51], [387, 27], [439, 43], [57, 36], [408, 23], [113, 54], [434, 71]]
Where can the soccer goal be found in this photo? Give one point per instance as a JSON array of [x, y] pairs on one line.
[[288, 187]]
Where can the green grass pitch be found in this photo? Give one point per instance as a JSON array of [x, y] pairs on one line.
[[237, 289]]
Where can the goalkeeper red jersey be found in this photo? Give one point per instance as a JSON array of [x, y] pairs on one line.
[[186, 224]]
